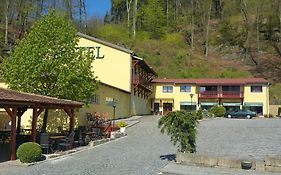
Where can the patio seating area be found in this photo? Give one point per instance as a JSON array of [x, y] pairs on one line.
[[98, 128]]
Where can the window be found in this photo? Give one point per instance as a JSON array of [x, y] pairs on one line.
[[94, 99], [256, 88], [188, 106], [167, 89], [109, 99], [185, 88]]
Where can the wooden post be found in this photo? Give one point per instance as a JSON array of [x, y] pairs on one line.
[[13, 115], [20, 112], [35, 115], [70, 113]]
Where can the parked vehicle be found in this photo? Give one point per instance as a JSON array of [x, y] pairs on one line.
[[240, 113]]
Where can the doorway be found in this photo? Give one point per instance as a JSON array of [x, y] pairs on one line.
[[156, 108], [167, 107]]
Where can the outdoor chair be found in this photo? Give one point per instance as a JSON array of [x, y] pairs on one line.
[[44, 142], [67, 143]]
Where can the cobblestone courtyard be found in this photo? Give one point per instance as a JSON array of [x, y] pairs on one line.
[[240, 138], [144, 151], [147, 152]]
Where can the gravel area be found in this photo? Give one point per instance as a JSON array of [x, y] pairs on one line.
[[240, 138], [144, 151]]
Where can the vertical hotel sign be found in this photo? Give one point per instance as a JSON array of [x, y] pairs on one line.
[[95, 52]]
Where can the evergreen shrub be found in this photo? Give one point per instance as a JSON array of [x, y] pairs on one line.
[[218, 111], [29, 152], [181, 126]]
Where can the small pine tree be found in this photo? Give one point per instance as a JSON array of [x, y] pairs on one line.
[[181, 126]]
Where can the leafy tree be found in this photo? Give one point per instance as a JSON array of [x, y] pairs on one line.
[[181, 126], [153, 18], [47, 62]]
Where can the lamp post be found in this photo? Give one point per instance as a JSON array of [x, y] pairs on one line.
[[114, 107], [191, 95]]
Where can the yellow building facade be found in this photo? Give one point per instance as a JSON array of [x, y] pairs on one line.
[[125, 80], [191, 94]]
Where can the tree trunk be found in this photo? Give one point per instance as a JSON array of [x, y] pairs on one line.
[[128, 6], [68, 5], [257, 25], [167, 12], [207, 30], [7, 21], [39, 8], [192, 25], [45, 120], [135, 19], [279, 16]]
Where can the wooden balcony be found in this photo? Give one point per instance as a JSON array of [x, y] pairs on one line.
[[232, 94], [208, 94], [140, 81], [221, 94]]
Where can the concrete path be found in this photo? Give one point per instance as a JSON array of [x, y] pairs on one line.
[[144, 151]]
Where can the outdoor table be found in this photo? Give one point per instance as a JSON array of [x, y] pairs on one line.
[[5, 134], [54, 140]]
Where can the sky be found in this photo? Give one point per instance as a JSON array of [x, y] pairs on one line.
[[97, 7]]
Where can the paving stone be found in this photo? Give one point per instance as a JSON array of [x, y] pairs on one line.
[[144, 151], [240, 138]]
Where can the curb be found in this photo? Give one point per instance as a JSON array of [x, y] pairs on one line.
[[270, 164]]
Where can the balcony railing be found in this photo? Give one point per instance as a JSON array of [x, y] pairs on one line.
[[232, 94], [221, 94], [208, 94], [137, 79]]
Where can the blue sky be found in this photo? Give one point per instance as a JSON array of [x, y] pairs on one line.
[[97, 7]]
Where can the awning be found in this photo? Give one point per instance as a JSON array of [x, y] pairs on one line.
[[253, 104], [231, 104], [187, 103], [209, 103], [164, 100]]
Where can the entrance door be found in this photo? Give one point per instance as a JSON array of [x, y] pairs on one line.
[[156, 108], [167, 107]]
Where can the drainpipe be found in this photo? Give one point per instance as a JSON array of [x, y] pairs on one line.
[[267, 99]]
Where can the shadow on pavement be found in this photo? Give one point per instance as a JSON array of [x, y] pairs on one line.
[[169, 157]]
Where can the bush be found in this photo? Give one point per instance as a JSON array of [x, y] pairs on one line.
[[181, 126], [121, 124], [29, 152], [218, 111], [199, 114]]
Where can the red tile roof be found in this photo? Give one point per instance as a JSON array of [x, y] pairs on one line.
[[12, 97], [214, 81]]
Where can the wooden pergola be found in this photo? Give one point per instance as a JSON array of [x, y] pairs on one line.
[[16, 103]]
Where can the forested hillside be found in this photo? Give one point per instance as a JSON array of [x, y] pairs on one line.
[[178, 38]]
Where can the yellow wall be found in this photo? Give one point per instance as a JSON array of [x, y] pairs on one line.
[[261, 97], [140, 106], [114, 69], [177, 96], [122, 104]]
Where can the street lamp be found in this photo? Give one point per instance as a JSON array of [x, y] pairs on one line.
[[191, 95], [114, 107]]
